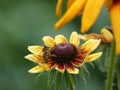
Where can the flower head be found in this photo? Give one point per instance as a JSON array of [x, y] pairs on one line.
[[90, 10], [60, 55], [105, 36]]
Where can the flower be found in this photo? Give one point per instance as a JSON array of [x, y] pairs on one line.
[[90, 10], [71, 13], [105, 36], [60, 55]]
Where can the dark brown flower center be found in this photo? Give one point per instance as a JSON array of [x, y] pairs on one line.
[[63, 53], [116, 1]]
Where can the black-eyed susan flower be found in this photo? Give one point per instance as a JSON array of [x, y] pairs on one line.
[[61, 55], [90, 10]]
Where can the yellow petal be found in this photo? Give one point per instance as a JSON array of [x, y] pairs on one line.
[[71, 69], [90, 45], [60, 67], [48, 41], [59, 8], [90, 13], [93, 57], [38, 69], [115, 20], [34, 58], [107, 34], [60, 39], [82, 37], [69, 3], [77, 62], [71, 13], [50, 64], [36, 49], [74, 39]]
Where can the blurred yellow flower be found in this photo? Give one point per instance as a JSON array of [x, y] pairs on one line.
[[115, 21], [60, 55], [90, 10]]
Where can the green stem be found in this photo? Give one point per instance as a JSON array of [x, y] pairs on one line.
[[118, 73], [111, 68]]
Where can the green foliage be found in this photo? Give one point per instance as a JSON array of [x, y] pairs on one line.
[[70, 80], [24, 23], [38, 77], [51, 77], [103, 62], [84, 73], [58, 80], [118, 71]]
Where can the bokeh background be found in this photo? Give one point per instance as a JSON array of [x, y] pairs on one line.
[[24, 23]]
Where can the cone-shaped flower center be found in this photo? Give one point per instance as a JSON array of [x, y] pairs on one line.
[[63, 53], [116, 1]]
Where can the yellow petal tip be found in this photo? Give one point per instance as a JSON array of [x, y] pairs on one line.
[[94, 56]]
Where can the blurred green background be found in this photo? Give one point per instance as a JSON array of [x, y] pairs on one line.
[[24, 23]]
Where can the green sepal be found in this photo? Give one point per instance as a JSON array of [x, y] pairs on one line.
[[58, 80], [84, 73], [70, 80], [103, 62], [92, 64], [67, 81], [71, 87], [73, 81], [38, 77], [51, 77]]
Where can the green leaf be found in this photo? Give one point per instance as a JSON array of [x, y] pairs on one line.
[[51, 77], [58, 80]]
